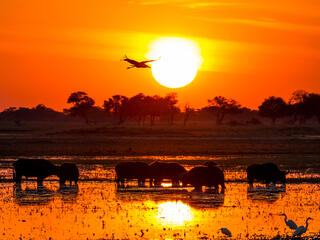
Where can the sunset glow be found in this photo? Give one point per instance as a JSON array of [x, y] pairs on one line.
[[174, 213], [178, 63], [249, 50]]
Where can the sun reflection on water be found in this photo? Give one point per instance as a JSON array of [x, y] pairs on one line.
[[174, 213]]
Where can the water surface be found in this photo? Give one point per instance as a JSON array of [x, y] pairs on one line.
[[98, 210]]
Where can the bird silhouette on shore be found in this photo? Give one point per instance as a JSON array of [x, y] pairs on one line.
[[291, 224], [137, 64], [226, 231], [301, 230]]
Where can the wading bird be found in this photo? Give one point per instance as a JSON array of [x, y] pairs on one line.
[[301, 230], [226, 232], [291, 224], [137, 64]]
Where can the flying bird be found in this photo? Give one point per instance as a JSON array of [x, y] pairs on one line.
[[291, 224], [137, 64], [301, 230], [226, 232]]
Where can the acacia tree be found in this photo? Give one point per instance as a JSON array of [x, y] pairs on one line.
[[188, 111], [82, 104], [222, 106], [296, 106], [311, 106], [118, 106], [274, 108], [137, 108], [169, 107]]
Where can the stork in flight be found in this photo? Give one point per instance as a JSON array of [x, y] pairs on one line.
[[137, 64]]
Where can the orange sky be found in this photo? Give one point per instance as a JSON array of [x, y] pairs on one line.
[[251, 49]]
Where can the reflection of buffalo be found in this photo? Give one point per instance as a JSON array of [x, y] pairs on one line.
[[265, 194], [194, 199], [266, 173], [38, 168], [68, 194], [42, 195], [210, 176], [132, 170], [161, 170], [39, 196], [205, 200], [68, 172]]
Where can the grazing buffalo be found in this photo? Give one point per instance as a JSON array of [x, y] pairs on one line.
[[162, 170], [209, 176], [266, 173], [39, 168], [68, 172], [132, 170]]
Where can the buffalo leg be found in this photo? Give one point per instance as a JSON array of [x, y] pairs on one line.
[[250, 181], [175, 183], [39, 181], [62, 181], [151, 182], [141, 182], [157, 182], [222, 189], [18, 178], [216, 188]]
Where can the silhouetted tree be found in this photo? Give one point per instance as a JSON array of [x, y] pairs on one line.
[[140, 107], [169, 107], [38, 113], [137, 108], [274, 108], [222, 106], [188, 111], [82, 105], [118, 106], [296, 106], [153, 107], [311, 104]]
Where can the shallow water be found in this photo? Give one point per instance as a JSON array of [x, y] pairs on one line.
[[98, 210]]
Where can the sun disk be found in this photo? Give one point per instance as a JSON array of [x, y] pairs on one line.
[[179, 61]]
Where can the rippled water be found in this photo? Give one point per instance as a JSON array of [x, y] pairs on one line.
[[98, 210]]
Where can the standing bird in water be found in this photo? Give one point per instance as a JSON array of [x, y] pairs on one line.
[[291, 224], [301, 230], [226, 232], [137, 64]]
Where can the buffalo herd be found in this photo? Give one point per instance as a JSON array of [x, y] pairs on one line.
[[41, 168], [208, 175], [156, 172]]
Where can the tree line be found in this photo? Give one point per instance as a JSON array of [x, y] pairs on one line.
[[143, 109]]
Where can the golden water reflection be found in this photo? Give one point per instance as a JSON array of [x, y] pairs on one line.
[[174, 213], [97, 211]]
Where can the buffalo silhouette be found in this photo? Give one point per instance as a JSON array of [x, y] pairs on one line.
[[132, 170], [209, 176], [39, 168], [266, 173], [68, 172], [163, 170]]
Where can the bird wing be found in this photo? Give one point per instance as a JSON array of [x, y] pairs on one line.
[[131, 61], [299, 231], [226, 231], [292, 224], [150, 60]]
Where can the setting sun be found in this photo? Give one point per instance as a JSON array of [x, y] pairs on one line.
[[179, 61]]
